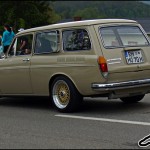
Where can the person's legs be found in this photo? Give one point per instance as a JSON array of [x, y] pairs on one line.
[[5, 48]]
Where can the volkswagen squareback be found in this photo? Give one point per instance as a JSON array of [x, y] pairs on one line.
[[69, 61]]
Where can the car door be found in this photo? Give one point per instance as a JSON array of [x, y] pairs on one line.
[[14, 70]]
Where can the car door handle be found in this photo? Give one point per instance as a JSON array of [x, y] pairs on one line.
[[26, 59]]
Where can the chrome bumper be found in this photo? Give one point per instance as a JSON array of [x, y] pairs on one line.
[[120, 85]]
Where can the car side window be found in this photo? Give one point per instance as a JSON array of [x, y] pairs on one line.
[[22, 45], [76, 39], [46, 42]]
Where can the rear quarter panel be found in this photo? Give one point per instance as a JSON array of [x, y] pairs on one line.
[[119, 70]]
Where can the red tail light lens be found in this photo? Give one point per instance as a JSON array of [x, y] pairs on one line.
[[103, 66]]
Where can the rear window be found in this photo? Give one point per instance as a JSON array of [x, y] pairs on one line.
[[121, 36]]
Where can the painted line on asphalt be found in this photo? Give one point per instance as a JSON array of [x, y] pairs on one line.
[[105, 120]]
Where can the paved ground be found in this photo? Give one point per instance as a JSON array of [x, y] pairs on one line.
[[27, 123]]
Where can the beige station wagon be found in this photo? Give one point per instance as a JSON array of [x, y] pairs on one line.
[[69, 61]]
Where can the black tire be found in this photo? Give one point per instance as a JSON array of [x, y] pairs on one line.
[[132, 99], [64, 95]]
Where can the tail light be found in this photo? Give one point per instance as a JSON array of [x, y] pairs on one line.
[[103, 66]]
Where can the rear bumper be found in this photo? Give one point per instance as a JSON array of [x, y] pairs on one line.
[[120, 85]]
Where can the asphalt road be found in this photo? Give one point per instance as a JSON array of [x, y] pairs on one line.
[[27, 123]]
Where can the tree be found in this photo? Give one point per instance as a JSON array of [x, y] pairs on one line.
[[102, 9], [26, 14], [89, 13]]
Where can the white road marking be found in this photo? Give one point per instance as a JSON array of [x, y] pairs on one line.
[[105, 120]]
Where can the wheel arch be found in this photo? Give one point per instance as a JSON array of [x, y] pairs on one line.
[[53, 77]]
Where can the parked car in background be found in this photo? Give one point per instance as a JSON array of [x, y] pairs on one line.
[[69, 61]]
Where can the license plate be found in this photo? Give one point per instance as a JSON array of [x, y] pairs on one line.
[[134, 57]]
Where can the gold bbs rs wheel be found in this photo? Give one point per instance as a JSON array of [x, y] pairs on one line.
[[61, 94], [64, 95]]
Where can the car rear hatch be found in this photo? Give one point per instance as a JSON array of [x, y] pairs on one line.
[[127, 51]]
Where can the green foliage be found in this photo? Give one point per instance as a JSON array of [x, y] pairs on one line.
[[89, 13], [26, 14], [34, 13], [102, 9], [21, 23]]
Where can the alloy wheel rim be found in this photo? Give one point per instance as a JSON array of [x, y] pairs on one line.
[[61, 94]]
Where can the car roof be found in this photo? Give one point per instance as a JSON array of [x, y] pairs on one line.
[[78, 23]]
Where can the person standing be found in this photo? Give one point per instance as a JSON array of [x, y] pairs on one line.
[[7, 37]]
